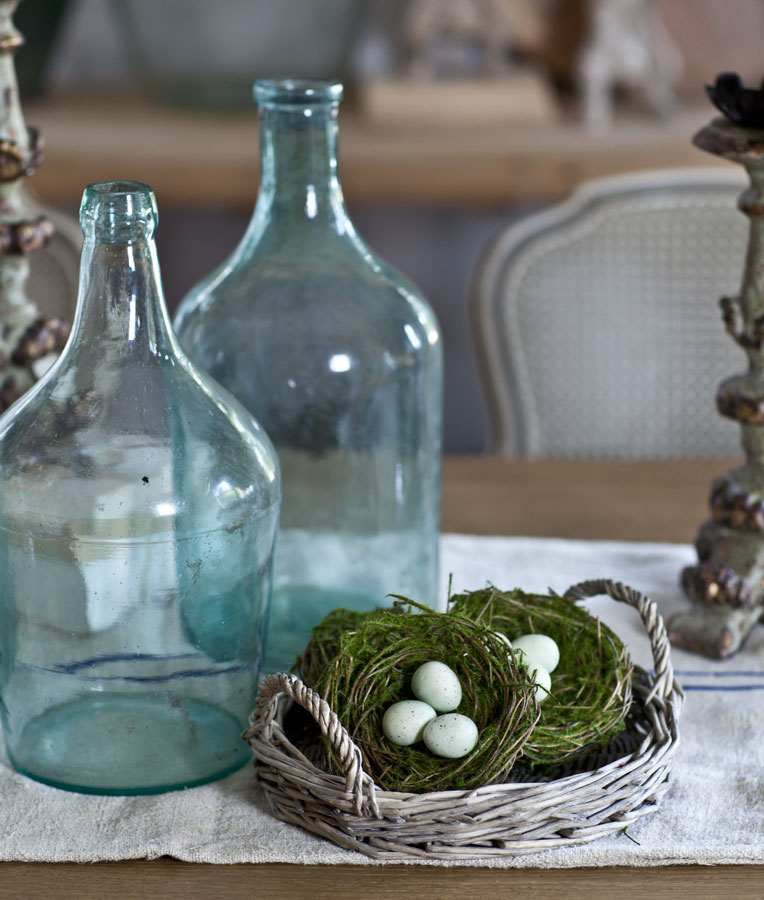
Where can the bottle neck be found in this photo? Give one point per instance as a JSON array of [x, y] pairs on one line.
[[299, 180], [121, 307]]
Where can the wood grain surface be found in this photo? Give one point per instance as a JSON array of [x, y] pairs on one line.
[[632, 501], [169, 879], [663, 501]]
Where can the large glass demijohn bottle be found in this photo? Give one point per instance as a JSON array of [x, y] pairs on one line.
[[138, 511], [339, 358]]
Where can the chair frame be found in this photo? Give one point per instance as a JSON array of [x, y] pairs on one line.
[[500, 365]]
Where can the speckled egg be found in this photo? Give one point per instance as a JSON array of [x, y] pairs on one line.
[[503, 638], [404, 722], [452, 735], [538, 649], [543, 681], [435, 683]]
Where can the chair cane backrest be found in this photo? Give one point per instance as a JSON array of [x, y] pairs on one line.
[[598, 323]]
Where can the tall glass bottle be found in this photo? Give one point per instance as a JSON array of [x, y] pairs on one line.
[[339, 358], [138, 511]]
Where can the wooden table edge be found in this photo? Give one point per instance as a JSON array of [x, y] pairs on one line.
[[171, 878]]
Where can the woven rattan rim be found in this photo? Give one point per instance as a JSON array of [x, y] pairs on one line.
[[491, 821]]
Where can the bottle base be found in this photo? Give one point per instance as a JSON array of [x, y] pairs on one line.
[[116, 744]]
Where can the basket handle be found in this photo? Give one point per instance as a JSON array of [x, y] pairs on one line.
[[666, 688], [357, 781]]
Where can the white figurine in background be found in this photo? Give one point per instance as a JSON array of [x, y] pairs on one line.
[[467, 37], [628, 46]]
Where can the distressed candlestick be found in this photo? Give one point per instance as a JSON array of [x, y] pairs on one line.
[[727, 584], [28, 340]]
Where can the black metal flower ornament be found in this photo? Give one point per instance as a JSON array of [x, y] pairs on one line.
[[741, 105]]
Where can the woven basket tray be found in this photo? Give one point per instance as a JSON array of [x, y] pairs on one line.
[[604, 794]]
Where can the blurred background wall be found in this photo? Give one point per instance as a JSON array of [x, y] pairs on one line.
[[198, 59]]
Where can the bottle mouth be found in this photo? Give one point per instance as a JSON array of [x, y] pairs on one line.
[[296, 92], [118, 211]]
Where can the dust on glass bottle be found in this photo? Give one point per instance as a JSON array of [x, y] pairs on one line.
[[339, 358], [138, 511]]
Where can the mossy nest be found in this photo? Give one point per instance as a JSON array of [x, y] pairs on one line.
[[373, 669], [591, 686]]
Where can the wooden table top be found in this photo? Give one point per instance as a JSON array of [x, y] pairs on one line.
[[661, 501]]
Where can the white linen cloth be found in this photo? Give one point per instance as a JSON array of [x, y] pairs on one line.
[[713, 813]]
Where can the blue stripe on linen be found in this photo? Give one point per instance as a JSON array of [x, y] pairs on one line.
[[751, 680]]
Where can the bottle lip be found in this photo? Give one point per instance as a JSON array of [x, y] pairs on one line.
[[118, 209], [119, 186], [296, 92]]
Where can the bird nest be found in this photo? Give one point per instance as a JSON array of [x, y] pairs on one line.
[[591, 686], [373, 669]]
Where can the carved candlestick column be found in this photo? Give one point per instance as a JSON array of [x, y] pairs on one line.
[[727, 584], [28, 340]]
